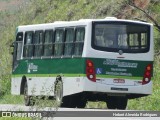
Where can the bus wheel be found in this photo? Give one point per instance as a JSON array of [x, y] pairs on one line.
[[117, 103], [81, 101], [65, 102], [27, 99], [81, 104], [59, 93], [111, 103], [122, 103]]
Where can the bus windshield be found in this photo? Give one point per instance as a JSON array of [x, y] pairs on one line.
[[128, 37]]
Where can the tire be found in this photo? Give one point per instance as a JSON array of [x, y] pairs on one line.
[[77, 101], [122, 103], [28, 100], [58, 93], [111, 103], [81, 101], [81, 104], [65, 102], [73, 101], [69, 101], [117, 102]]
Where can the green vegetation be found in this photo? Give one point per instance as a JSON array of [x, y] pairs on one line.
[[11, 99], [44, 11]]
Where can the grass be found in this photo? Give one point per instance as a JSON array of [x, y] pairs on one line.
[[99, 105], [11, 99]]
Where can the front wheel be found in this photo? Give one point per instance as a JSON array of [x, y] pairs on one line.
[[28, 100]]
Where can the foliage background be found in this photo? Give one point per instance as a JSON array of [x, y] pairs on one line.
[[23, 12]]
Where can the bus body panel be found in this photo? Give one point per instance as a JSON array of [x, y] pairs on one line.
[[41, 78], [44, 86], [15, 85], [116, 89]]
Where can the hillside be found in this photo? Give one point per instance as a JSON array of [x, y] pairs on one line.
[[9, 4], [18, 12]]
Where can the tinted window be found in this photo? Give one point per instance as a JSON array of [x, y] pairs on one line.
[[129, 37], [28, 46], [80, 33], [48, 43], [38, 43], [58, 45], [69, 42]]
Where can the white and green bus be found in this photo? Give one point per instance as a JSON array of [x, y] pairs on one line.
[[74, 62]]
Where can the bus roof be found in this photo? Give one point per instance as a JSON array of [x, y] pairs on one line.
[[81, 22]]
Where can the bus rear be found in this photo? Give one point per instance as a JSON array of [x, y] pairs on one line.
[[119, 62]]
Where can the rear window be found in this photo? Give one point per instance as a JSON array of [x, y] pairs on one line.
[[125, 36]]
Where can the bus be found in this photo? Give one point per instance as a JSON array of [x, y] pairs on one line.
[[74, 62]]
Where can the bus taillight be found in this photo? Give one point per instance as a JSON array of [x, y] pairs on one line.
[[147, 74], [90, 71]]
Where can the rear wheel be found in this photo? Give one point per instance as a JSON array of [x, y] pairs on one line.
[[73, 101], [117, 102], [76, 100], [59, 93], [28, 99], [81, 101]]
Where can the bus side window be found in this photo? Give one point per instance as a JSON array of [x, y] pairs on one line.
[[28, 46], [79, 42], [58, 45], [17, 49], [69, 42], [38, 43], [48, 43], [19, 40]]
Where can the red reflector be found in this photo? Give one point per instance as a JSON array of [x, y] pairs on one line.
[[149, 67], [147, 74], [90, 64], [90, 71]]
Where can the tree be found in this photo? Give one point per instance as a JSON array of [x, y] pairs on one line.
[[144, 10], [145, 6]]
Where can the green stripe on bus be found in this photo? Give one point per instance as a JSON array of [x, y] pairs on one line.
[[49, 75]]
